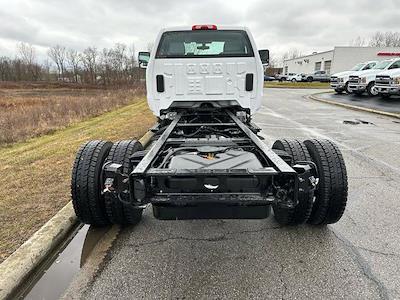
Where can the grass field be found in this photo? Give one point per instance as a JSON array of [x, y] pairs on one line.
[[31, 110], [297, 85], [36, 172]]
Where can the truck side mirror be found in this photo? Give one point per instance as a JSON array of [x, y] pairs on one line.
[[264, 56], [143, 59]]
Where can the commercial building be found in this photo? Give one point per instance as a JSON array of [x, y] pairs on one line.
[[337, 60]]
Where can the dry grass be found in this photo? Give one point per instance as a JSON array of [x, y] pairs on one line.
[[297, 85], [36, 173], [25, 113]]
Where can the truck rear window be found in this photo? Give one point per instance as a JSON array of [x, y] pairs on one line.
[[204, 43]]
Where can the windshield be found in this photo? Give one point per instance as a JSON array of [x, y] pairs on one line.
[[383, 64], [358, 67], [204, 43]]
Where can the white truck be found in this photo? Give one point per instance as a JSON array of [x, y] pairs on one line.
[[293, 77], [388, 83], [364, 81], [206, 159], [340, 81]]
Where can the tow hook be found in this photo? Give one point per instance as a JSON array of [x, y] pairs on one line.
[[314, 182], [115, 181], [108, 185], [307, 169]]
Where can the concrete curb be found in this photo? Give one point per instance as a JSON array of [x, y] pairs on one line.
[[354, 107], [296, 87], [19, 265], [16, 268]]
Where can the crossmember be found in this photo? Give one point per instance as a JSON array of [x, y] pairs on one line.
[[184, 165]]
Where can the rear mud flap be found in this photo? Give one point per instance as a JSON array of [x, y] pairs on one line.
[[211, 211]]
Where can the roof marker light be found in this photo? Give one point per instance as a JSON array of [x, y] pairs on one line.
[[204, 27]]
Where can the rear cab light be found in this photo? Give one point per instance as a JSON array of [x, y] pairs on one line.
[[204, 27]]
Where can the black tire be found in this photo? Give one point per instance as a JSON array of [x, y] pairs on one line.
[[338, 91], [358, 93], [346, 88], [301, 212], [370, 89], [331, 193], [117, 211], [87, 198], [310, 79], [385, 96], [294, 80]]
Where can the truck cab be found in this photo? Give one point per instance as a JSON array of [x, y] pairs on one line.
[[204, 64], [388, 83], [340, 81], [364, 81]]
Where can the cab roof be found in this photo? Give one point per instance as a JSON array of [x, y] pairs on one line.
[[219, 27]]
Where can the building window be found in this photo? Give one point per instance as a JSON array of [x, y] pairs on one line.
[[286, 70], [327, 67], [317, 66]]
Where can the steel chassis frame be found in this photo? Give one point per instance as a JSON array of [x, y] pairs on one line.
[[276, 182]]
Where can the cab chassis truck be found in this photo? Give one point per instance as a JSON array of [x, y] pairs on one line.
[[206, 159]]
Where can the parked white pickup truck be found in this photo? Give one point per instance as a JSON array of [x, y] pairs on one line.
[[388, 83], [293, 77], [340, 81], [365, 80]]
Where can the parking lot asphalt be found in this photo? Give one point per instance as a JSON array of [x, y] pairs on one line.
[[390, 105], [357, 258]]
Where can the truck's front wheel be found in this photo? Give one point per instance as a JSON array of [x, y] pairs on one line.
[[118, 207], [301, 212], [87, 198], [338, 91], [371, 90], [346, 88]]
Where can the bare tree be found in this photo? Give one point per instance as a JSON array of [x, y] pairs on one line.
[[377, 40], [6, 69], [73, 59], [120, 60], [58, 54], [385, 39], [291, 53], [133, 71], [111, 66], [89, 58], [358, 42], [46, 67], [274, 62], [27, 54], [132, 55]]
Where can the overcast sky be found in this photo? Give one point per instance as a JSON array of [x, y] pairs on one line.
[[309, 25]]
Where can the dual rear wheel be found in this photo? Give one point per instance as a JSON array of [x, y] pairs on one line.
[[327, 203], [90, 204]]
